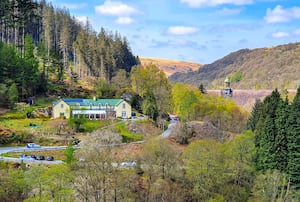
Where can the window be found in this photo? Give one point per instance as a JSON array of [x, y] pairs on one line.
[[62, 106], [124, 114], [124, 105], [100, 105]]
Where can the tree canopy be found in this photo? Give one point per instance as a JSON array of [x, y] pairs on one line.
[[41, 43]]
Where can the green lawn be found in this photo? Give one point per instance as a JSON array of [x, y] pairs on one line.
[[128, 136], [20, 124]]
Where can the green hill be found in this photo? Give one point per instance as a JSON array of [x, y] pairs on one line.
[[261, 68]]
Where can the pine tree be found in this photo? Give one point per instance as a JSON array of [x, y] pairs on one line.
[[293, 167], [13, 95], [254, 116], [29, 72], [280, 144], [266, 132]]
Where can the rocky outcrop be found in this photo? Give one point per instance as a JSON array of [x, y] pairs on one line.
[[41, 113]]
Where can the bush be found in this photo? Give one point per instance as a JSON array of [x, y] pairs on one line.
[[16, 138], [21, 112]]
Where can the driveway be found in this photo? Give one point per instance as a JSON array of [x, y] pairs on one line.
[[167, 132]]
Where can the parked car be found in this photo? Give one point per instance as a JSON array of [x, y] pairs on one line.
[[26, 158], [33, 145], [22, 156], [29, 158], [40, 157], [33, 156], [50, 158], [128, 164]]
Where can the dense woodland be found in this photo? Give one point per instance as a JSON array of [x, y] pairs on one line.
[[55, 43], [275, 122]]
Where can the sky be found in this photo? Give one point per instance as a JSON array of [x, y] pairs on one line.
[[200, 31]]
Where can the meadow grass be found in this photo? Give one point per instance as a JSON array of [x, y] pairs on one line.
[[127, 135]]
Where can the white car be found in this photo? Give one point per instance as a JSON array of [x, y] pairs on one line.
[[33, 145], [128, 164]]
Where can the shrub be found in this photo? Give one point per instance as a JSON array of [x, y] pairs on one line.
[[16, 138]]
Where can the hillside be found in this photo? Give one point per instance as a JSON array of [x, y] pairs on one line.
[[171, 66], [262, 68]]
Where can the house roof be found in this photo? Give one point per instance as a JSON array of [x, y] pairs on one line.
[[88, 102]]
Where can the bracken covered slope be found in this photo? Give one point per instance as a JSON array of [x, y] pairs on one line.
[[170, 67], [262, 68]]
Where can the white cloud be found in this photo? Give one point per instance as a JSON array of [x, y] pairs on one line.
[[200, 3], [228, 11], [279, 14], [280, 34], [82, 19], [296, 32], [182, 30], [296, 12], [124, 20], [115, 8]]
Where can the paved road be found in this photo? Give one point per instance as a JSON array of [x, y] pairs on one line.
[[46, 148], [167, 132], [25, 149], [3, 150]]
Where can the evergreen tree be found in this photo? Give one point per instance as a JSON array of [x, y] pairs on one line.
[[29, 48], [202, 89], [293, 167], [254, 116], [29, 73], [3, 95], [266, 132], [280, 144], [13, 95], [61, 39]]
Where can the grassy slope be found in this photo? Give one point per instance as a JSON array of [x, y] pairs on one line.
[[171, 66]]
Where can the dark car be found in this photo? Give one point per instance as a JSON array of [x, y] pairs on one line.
[[40, 157], [33, 156], [50, 158]]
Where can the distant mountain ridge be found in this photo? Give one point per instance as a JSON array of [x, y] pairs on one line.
[[261, 68], [171, 66]]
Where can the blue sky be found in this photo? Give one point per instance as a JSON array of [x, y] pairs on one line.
[[192, 30]]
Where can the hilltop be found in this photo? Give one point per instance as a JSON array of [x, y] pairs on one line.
[[261, 68], [171, 66]]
